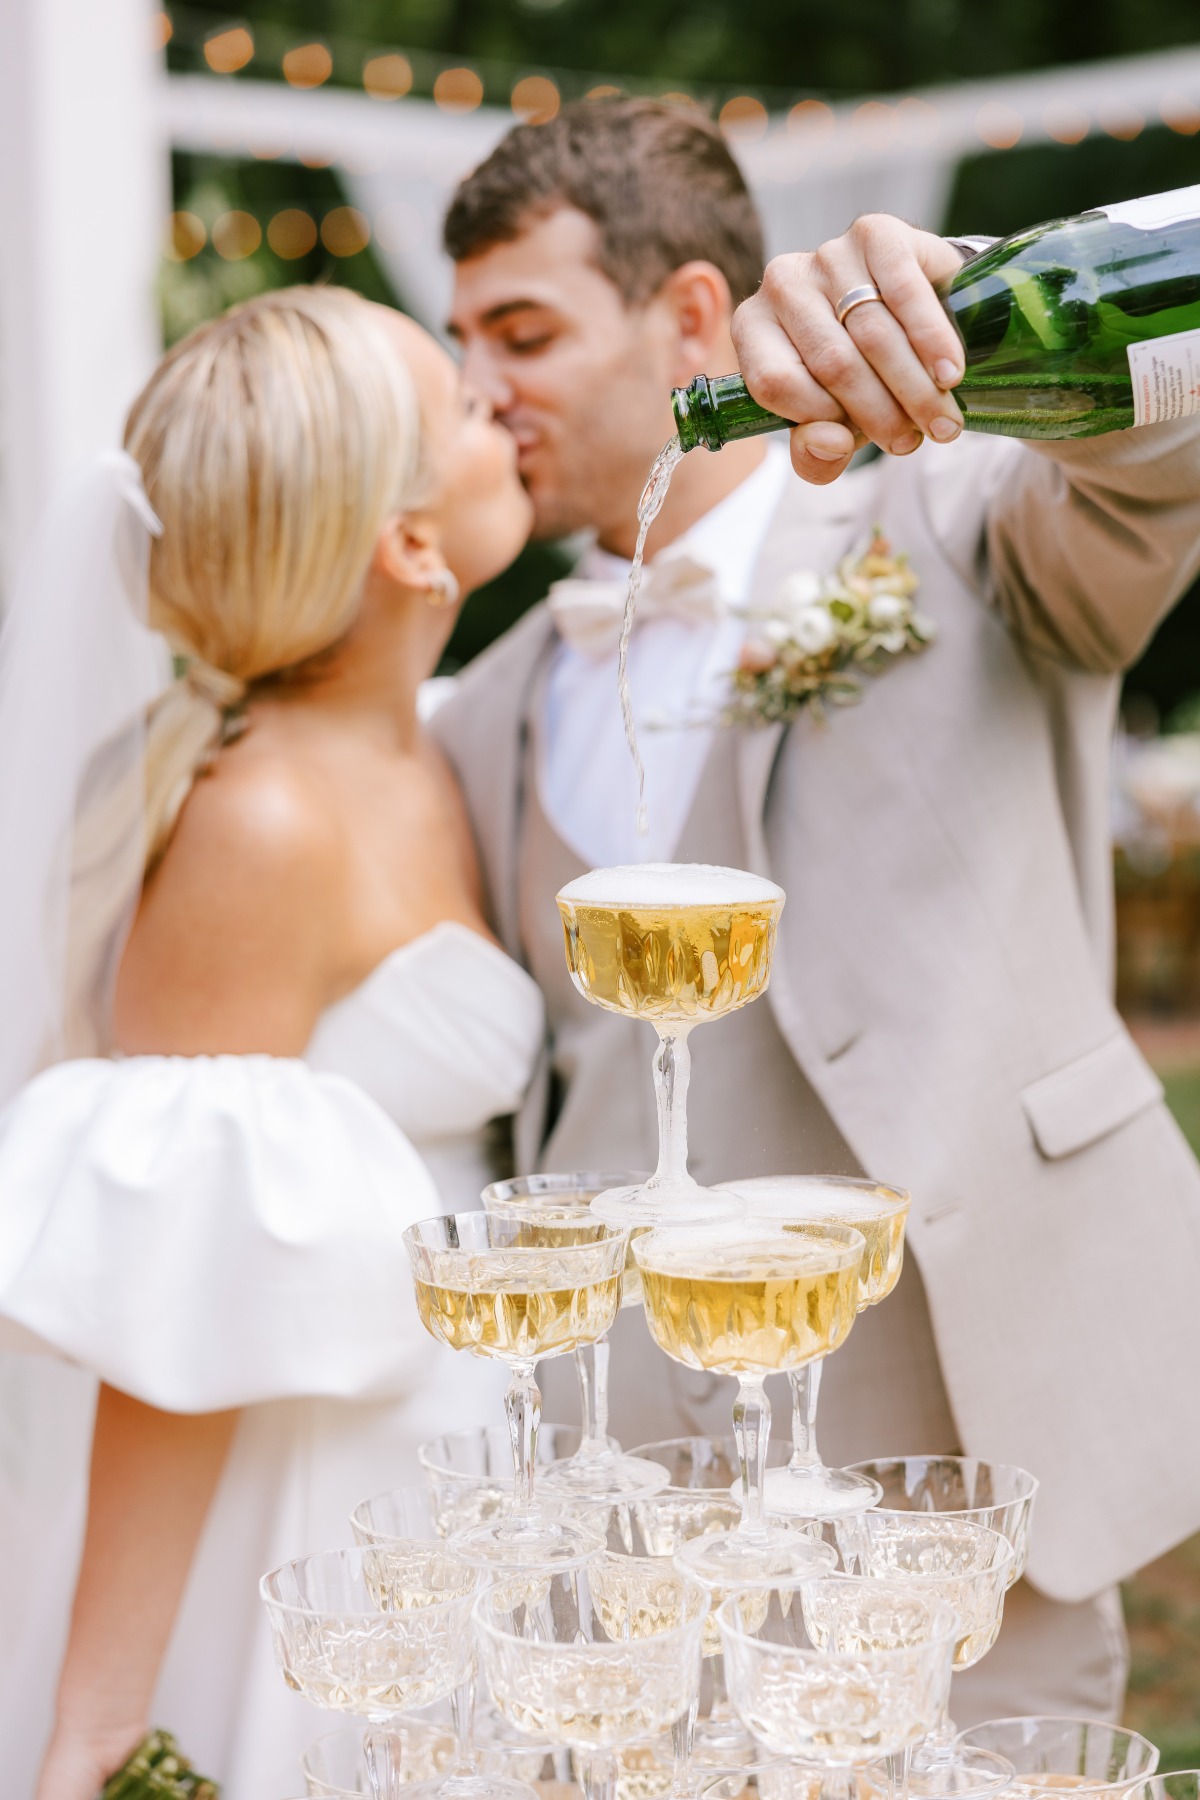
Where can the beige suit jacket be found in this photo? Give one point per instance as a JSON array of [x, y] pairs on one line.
[[943, 969]]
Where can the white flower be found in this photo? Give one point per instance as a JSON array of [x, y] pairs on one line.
[[800, 590], [777, 631], [813, 629], [887, 609]]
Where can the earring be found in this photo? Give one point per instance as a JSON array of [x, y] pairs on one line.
[[443, 588]]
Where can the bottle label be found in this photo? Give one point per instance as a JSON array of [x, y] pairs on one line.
[[1165, 373], [1155, 210]]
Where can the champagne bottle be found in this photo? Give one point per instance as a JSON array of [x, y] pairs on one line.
[[1069, 329]]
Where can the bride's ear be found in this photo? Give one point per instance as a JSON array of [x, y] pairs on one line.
[[407, 554]]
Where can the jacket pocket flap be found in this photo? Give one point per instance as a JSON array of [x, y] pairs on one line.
[[1089, 1097]]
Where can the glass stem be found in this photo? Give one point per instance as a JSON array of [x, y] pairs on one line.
[[806, 1389], [591, 1365], [598, 1774], [683, 1733], [672, 1071], [462, 1715], [897, 1768], [523, 1410], [837, 1784], [752, 1429]]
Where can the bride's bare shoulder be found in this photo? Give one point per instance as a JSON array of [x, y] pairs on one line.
[[237, 938]]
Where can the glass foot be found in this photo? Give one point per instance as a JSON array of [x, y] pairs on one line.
[[605, 1478], [737, 1559], [957, 1772], [680, 1205], [537, 1543], [470, 1787], [815, 1492]]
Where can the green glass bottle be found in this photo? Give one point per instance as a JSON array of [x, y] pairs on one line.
[[1069, 329]]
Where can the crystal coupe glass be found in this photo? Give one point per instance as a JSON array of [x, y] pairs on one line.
[[595, 1658], [999, 1495], [948, 1558], [807, 1487], [363, 1632], [1049, 1754], [839, 1671], [598, 1472], [518, 1288], [749, 1300], [470, 1477], [676, 944]]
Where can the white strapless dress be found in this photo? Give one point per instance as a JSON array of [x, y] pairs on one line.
[[211, 1232]]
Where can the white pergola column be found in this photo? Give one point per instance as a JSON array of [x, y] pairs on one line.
[[84, 186]]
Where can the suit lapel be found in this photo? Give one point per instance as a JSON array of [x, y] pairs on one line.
[[812, 528]]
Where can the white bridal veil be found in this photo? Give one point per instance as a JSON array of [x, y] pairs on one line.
[[78, 668]]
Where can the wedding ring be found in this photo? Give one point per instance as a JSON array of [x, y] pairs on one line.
[[855, 296]]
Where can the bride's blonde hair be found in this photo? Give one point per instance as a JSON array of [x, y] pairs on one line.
[[274, 442]]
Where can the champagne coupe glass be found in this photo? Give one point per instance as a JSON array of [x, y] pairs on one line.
[[344, 1765], [999, 1495], [518, 1289], [600, 1658], [749, 1300], [696, 1504], [677, 944], [376, 1634], [839, 1671], [1049, 1754], [1176, 1784], [948, 1558], [807, 1487], [470, 1473], [597, 1472]]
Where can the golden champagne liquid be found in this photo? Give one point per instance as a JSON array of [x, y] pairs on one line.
[[542, 1316], [564, 1210], [765, 1306], [884, 1256], [698, 948]]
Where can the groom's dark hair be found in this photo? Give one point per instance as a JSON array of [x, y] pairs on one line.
[[655, 177]]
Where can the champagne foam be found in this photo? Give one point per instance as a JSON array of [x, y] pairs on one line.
[[671, 885], [741, 1252], [809, 1197]]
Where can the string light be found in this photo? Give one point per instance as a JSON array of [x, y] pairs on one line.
[[743, 117], [345, 231], [1122, 122], [920, 119], [1066, 124], [458, 90], [307, 66], [185, 237], [811, 117], [605, 91], [162, 29], [676, 97], [535, 99], [999, 126], [226, 52], [1180, 113], [292, 233], [236, 235], [388, 77]]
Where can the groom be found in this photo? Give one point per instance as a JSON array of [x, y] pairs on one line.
[[940, 1010]]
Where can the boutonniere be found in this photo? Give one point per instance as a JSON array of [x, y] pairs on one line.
[[823, 633]]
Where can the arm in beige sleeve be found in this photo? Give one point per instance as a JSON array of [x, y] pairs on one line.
[[1090, 543]]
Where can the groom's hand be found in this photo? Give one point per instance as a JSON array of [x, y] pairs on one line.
[[883, 374]]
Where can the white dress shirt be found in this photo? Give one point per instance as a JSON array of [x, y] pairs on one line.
[[677, 672]]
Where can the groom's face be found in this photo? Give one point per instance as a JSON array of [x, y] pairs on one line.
[[581, 378]]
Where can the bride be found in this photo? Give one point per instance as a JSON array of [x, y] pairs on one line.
[[286, 1058]]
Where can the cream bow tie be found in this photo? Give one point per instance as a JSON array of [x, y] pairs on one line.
[[588, 614]]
